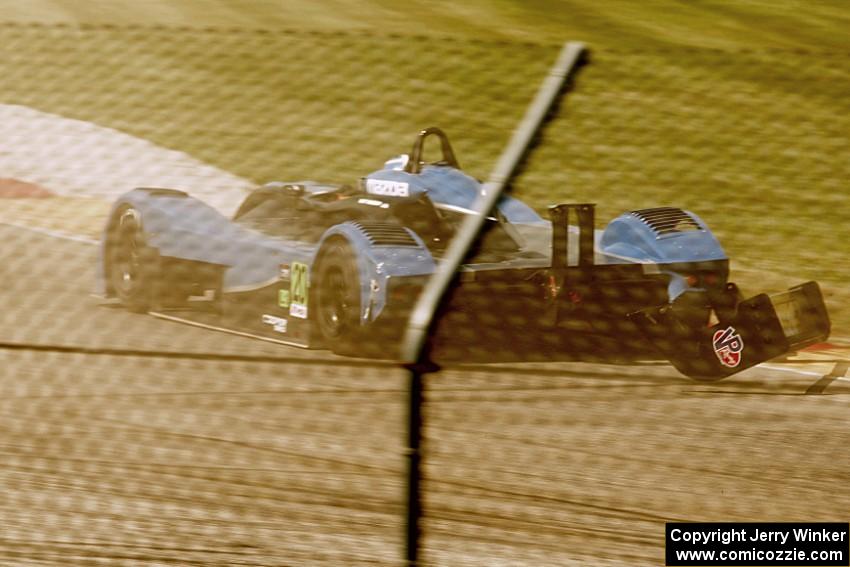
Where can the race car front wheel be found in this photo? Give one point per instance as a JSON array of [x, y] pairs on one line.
[[133, 265], [337, 294]]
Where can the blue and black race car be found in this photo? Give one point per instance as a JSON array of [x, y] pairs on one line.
[[340, 266]]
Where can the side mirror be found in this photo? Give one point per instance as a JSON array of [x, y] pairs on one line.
[[289, 189]]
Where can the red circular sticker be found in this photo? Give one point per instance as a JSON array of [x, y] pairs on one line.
[[728, 346]]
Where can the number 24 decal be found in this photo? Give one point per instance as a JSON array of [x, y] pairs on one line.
[[299, 290]]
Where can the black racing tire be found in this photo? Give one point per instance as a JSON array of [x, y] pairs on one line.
[[337, 295], [133, 266]]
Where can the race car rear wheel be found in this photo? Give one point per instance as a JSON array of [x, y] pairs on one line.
[[133, 265], [337, 294]]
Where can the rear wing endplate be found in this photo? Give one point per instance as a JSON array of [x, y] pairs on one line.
[[761, 328]]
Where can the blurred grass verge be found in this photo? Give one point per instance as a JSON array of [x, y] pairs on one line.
[[749, 130]]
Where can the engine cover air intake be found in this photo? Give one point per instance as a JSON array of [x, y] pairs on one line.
[[386, 234], [667, 220]]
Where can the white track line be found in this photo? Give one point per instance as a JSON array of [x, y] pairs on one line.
[[806, 373], [792, 370], [51, 233], [183, 321]]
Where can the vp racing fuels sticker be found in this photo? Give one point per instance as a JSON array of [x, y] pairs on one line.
[[298, 290], [387, 188], [728, 346]]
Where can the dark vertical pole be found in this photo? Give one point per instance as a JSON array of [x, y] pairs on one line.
[[414, 458], [414, 352]]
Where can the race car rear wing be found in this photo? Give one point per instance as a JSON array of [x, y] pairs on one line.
[[741, 333], [585, 214], [760, 328]]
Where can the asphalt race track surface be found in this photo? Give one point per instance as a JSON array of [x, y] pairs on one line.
[[200, 457]]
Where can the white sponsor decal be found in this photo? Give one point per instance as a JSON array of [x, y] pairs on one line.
[[277, 323], [387, 188], [373, 203], [298, 310]]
